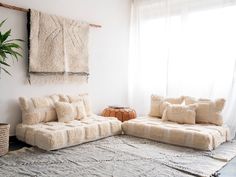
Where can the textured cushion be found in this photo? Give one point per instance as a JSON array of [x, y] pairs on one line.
[[198, 136], [157, 106], [207, 111], [180, 113], [56, 135], [38, 109], [74, 98], [69, 111]]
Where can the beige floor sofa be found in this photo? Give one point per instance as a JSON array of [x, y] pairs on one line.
[[56, 135], [183, 121], [42, 127], [198, 136]]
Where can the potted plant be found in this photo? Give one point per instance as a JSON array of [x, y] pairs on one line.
[[8, 48]]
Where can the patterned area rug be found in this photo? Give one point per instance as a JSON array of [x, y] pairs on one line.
[[117, 156]]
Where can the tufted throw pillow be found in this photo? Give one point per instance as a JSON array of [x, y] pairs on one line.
[[69, 111], [180, 113], [158, 104], [207, 111], [38, 109], [74, 98]]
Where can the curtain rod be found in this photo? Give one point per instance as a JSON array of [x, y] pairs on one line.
[[27, 10]]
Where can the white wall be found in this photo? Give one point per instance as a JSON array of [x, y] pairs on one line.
[[108, 54]]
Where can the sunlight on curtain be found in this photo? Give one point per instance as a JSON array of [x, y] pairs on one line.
[[181, 47]]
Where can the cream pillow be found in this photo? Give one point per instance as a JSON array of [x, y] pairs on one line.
[[38, 109], [180, 113], [75, 98], [158, 104], [87, 104], [207, 111], [69, 111]]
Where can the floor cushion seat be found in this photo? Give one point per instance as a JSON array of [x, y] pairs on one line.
[[198, 136], [56, 135]]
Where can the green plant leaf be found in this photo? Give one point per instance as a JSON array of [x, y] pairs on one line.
[[6, 71], [20, 40], [8, 48], [12, 45], [17, 53], [5, 35], [13, 52], [4, 63], [0, 38], [2, 54], [2, 23]]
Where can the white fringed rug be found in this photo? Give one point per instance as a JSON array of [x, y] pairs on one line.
[[117, 156]]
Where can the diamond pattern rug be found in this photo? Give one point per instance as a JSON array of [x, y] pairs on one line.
[[117, 156]]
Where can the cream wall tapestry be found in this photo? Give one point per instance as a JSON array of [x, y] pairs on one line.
[[58, 50]]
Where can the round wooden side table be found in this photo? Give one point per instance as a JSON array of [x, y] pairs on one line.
[[122, 113]]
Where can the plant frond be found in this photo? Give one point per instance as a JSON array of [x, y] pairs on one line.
[[20, 40], [5, 35], [4, 63], [6, 71], [8, 48], [12, 45], [2, 22], [3, 54]]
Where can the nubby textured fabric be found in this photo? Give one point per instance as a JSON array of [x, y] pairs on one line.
[[208, 111], [38, 109], [58, 49], [180, 113], [56, 135], [158, 106], [70, 111], [198, 136]]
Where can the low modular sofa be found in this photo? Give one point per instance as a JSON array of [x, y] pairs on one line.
[[198, 136], [182, 121], [41, 126], [59, 121], [56, 135]]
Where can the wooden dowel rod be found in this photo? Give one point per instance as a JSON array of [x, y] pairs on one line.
[[27, 10], [14, 7]]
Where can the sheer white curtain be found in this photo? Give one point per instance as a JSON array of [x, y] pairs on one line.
[[182, 47]]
